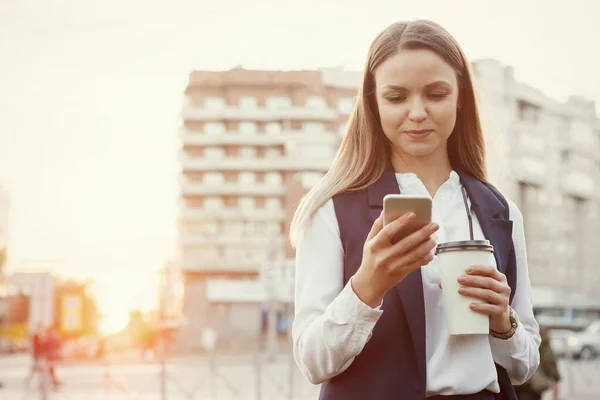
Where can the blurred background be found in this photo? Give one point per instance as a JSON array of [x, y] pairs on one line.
[[152, 155]]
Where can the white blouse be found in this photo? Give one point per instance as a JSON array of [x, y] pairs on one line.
[[332, 325]]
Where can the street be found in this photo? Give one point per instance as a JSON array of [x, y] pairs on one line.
[[219, 378], [226, 378]]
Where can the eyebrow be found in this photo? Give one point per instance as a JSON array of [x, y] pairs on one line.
[[428, 86]]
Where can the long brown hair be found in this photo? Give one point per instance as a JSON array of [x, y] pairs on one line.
[[358, 162]]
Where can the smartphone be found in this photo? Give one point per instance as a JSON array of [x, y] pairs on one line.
[[396, 205]]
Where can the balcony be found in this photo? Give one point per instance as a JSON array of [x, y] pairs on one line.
[[578, 184], [280, 163], [233, 291], [260, 114], [529, 169], [231, 188], [529, 141], [526, 127], [189, 138], [228, 214], [257, 239], [198, 264], [581, 139]]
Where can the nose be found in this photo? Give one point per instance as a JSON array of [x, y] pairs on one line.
[[417, 110]]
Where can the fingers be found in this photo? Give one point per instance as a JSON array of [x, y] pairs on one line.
[[385, 235], [420, 255], [415, 238], [493, 310], [486, 270], [485, 295], [488, 285], [484, 282], [376, 227]]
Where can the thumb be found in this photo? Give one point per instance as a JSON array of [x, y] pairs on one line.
[[376, 227]]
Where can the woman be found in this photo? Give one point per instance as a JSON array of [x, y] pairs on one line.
[[369, 318]]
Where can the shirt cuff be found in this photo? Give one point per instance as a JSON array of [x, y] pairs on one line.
[[504, 350], [350, 310]]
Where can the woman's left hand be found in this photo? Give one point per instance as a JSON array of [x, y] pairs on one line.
[[489, 285]]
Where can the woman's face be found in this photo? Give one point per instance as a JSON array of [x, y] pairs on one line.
[[417, 98]]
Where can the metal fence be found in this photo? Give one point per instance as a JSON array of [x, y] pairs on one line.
[[254, 376]]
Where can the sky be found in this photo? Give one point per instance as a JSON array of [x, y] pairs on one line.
[[91, 92]]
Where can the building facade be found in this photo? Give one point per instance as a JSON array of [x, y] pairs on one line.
[[547, 160], [253, 143]]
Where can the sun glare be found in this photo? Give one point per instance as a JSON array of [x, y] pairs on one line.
[[118, 293]]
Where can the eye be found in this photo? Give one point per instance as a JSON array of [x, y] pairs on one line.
[[437, 96], [395, 99]]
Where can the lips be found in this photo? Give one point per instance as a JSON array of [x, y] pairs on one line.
[[418, 134]]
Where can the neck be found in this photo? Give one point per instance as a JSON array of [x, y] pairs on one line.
[[433, 170]]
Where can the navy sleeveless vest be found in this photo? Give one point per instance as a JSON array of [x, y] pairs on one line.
[[392, 364]]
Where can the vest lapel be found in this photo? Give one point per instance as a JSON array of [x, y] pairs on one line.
[[410, 290], [488, 210]]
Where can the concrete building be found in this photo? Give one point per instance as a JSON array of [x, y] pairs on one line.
[[253, 142], [547, 160]]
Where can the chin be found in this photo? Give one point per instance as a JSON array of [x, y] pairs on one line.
[[418, 150]]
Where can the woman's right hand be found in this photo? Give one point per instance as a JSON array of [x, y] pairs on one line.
[[384, 264]]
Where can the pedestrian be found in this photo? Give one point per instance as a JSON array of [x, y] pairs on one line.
[[546, 376], [52, 347], [36, 349], [370, 321]]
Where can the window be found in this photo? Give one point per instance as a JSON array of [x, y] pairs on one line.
[[316, 102], [214, 153], [215, 103], [273, 178], [528, 112], [214, 128], [246, 177], [273, 128], [248, 102], [345, 105], [213, 178], [247, 128]]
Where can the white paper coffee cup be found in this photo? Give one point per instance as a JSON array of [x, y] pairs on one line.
[[453, 260]]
